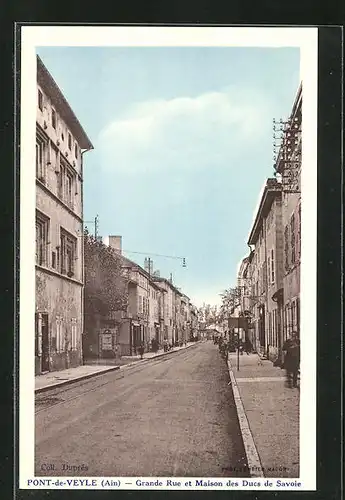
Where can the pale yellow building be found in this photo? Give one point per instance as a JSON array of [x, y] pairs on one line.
[[60, 144]]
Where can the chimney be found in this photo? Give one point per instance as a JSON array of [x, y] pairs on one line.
[[115, 242]]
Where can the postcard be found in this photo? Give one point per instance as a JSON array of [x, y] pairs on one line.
[[168, 258]]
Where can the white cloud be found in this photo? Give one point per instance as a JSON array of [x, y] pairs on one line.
[[185, 132]]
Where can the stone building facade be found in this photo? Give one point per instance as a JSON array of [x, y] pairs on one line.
[[60, 144], [266, 271], [291, 220]]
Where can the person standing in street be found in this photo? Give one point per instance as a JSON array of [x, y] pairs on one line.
[[291, 349], [141, 350], [248, 346]]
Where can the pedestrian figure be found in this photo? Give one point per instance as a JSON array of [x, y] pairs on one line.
[[141, 351], [248, 346], [291, 349]]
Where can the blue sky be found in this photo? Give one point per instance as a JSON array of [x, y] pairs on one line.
[[183, 145]]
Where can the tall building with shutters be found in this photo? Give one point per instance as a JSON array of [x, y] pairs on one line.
[[289, 167], [60, 144]]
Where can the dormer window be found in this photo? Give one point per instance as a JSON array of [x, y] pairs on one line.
[[69, 141], [54, 119], [40, 100]]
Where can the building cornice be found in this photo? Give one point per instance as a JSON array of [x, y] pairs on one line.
[[50, 87]]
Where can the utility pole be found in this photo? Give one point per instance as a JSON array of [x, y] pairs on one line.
[[95, 222], [96, 227]]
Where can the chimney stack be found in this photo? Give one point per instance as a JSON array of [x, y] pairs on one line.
[[115, 242]]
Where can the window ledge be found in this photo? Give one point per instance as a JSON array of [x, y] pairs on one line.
[[56, 198], [59, 275]]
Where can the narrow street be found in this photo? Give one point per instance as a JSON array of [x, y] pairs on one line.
[[174, 416]]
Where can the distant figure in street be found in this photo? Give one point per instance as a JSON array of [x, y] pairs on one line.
[[154, 345], [248, 346], [291, 349], [165, 345], [141, 351]]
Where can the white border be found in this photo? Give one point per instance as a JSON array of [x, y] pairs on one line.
[[306, 40]]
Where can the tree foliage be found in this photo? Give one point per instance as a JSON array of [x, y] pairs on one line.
[[229, 300], [208, 314], [106, 289]]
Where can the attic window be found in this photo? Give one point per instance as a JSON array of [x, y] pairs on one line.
[[54, 118], [40, 100]]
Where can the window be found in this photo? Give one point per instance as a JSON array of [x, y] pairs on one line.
[[68, 250], [74, 340], [286, 247], [60, 339], [42, 231], [66, 181], [69, 187], [41, 156], [69, 141], [269, 267], [76, 150], [292, 232], [272, 266], [40, 100], [54, 260], [61, 175], [54, 118]]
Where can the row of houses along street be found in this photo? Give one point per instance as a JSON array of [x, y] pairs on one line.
[[268, 280], [145, 306]]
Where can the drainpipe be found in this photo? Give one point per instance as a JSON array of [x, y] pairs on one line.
[[82, 249]]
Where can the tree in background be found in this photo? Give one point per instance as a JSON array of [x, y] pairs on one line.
[[229, 300], [106, 288]]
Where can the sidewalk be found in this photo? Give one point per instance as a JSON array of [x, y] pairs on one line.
[[95, 367], [268, 413]]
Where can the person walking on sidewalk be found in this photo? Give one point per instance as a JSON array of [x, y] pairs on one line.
[[248, 346], [141, 350], [291, 349]]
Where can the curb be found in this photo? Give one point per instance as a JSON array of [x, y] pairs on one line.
[[253, 459], [111, 368], [72, 380]]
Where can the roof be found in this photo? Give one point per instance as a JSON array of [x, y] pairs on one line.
[[272, 190], [164, 280], [50, 87], [133, 265]]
